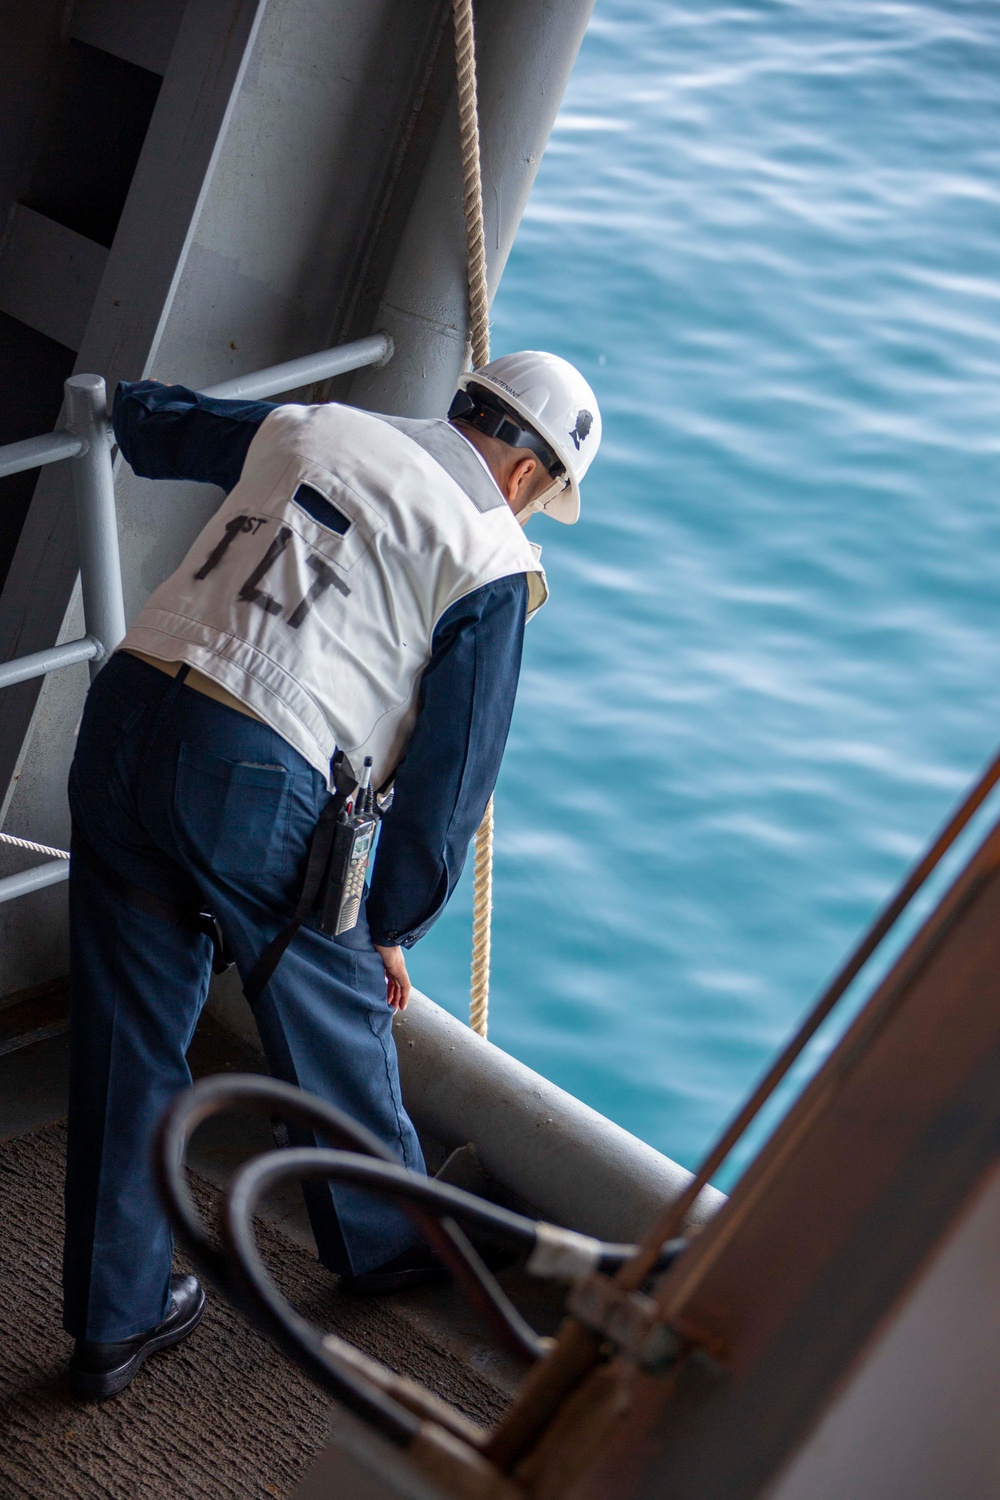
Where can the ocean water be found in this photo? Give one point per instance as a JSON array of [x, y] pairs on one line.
[[769, 234]]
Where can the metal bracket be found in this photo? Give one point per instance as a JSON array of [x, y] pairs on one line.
[[631, 1321]]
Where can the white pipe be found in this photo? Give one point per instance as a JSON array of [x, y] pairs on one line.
[[274, 381], [21, 668], [47, 449], [34, 879], [571, 1164], [96, 517]]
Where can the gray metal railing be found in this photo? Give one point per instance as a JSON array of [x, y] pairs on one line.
[[86, 443]]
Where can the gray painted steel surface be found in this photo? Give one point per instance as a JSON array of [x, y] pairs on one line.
[[96, 521], [295, 373], [49, 276], [142, 34], [525, 53], [40, 601], [23, 668], [47, 449], [561, 1158], [916, 1420], [568, 1162], [296, 152], [35, 879]]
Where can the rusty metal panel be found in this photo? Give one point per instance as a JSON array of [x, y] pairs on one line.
[[786, 1285]]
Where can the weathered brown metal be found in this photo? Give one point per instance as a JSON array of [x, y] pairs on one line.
[[576, 1350], [821, 1237], [672, 1219]]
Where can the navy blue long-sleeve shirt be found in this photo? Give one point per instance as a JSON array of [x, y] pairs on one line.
[[466, 692]]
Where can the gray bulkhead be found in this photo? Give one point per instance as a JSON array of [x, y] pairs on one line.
[[298, 185]]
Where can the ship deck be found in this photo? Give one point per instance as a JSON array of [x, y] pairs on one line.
[[223, 1413]]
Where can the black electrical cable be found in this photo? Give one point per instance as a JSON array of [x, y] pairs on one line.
[[501, 1226], [234, 1093], [259, 1177], [258, 1094], [237, 1091], [438, 1209], [293, 1334]]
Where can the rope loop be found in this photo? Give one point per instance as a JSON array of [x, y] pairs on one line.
[[10, 838]]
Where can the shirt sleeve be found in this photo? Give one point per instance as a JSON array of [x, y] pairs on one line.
[[452, 760], [170, 432]]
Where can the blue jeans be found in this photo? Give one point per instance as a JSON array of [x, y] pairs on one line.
[[204, 806]]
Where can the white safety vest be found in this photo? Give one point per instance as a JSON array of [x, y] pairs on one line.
[[313, 593]]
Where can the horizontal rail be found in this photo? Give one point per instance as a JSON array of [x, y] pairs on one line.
[[39, 662], [32, 452], [35, 879], [374, 350], [100, 567]]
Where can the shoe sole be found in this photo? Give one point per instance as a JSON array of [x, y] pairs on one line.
[[91, 1387], [384, 1283]]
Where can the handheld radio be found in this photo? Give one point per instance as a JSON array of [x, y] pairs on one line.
[[339, 900]]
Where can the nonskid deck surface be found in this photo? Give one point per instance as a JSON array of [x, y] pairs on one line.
[[223, 1414]]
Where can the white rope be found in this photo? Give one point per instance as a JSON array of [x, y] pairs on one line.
[[472, 183], [9, 838], [479, 333], [482, 912]]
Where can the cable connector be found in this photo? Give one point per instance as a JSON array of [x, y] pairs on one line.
[[630, 1320], [562, 1254]]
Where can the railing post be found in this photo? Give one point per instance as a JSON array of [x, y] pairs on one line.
[[96, 519]]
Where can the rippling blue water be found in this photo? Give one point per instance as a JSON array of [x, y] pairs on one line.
[[769, 234]]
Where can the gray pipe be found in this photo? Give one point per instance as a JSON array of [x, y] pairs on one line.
[[34, 879], [22, 668], [274, 381], [96, 518], [31, 452], [525, 53], [561, 1157]]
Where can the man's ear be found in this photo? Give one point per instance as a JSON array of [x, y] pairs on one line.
[[520, 482]]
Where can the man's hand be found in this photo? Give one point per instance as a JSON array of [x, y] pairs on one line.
[[397, 981]]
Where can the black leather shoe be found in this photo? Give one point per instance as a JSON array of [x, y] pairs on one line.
[[416, 1267], [97, 1371]]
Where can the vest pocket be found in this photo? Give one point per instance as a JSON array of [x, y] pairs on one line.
[[232, 814], [325, 511]]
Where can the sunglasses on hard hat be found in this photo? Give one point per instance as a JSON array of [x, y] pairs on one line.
[[487, 413]]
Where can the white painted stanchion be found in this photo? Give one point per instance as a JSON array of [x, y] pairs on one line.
[[96, 519], [40, 662], [47, 449]]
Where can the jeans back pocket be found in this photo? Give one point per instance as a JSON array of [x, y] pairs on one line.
[[232, 814]]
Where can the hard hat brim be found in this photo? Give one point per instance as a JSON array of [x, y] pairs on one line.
[[565, 506]]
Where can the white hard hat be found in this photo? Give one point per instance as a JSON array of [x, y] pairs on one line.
[[553, 400]]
